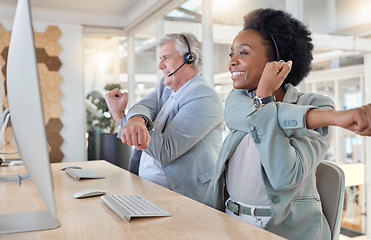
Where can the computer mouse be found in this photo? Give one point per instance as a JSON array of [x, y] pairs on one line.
[[89, 193], [70, 166], [15, 163]]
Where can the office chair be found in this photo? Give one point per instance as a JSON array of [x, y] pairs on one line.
[[331, 187]]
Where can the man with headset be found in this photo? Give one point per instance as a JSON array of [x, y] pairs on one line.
[[177, 128]]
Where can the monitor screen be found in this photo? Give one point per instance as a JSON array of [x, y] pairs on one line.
[[26, 114]]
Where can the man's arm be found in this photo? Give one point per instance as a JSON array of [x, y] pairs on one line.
[[117, 102], [135, 133], [198, 114], [135, 125]]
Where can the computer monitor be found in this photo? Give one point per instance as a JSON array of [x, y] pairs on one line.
[[28, 124]]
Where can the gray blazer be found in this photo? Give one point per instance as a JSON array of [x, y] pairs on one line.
[[289, 155], [191, 138]]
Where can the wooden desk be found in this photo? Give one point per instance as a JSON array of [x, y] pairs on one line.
[[90, 218]]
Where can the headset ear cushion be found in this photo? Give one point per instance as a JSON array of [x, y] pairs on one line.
[[189, 58]]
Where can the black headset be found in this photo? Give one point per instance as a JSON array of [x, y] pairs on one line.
[[274, 58], [277, 57], [189, 58]]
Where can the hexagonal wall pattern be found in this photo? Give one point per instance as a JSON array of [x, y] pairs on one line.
[[48, 65], [55, 141]]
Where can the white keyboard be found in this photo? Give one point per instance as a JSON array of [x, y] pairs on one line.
[[126, 206], [78, 174]]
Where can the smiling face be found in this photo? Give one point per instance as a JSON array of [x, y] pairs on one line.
[[247, 59]]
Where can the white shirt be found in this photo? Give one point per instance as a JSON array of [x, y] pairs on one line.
[[151, 169], [243, 175]]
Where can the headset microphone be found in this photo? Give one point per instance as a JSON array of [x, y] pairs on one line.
[[171, 74], [189, 58], [252, 89]]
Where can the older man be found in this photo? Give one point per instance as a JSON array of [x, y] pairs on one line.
[[178, 127]]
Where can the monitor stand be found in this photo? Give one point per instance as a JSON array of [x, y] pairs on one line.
[[27, 221], [14, 178]]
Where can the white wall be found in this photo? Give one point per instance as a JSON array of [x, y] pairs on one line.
[[73, 117], [73, 101]]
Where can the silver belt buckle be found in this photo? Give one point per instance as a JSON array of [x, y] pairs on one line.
[[238, 209]]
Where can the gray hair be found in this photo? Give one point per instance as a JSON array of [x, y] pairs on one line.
[[182, 48]]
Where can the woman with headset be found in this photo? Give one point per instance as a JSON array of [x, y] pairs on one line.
[[265, 173]]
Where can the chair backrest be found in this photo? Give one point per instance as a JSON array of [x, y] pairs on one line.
[[331, 187]]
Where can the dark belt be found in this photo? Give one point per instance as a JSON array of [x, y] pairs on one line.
[[237, 209]]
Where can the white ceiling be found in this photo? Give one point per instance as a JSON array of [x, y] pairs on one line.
[[122, 16], [112, 15], [92, 6]]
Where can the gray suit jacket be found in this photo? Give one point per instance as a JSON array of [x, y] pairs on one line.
[[190, 141], [289, 155]]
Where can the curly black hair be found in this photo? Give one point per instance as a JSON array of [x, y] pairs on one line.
[[292, 38]]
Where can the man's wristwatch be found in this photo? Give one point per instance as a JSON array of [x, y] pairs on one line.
[[260, 102]]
